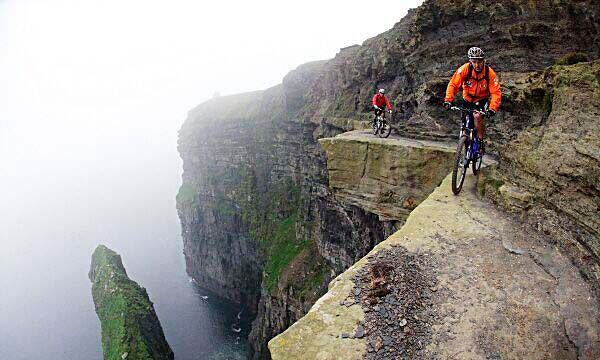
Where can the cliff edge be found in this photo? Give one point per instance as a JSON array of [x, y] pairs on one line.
[[130, 327], [265, 224], [461, 279]]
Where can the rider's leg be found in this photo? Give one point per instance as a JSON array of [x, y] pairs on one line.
[[480, 127]]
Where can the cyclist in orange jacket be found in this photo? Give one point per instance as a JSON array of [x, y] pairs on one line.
[[381, 103], [481, 89]]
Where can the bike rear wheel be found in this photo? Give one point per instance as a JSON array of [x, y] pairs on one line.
[[461, 164], [384, 129]]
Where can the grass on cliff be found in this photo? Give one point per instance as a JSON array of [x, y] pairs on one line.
[[122, 307], [282, 249], [186, 194], [272, 218]]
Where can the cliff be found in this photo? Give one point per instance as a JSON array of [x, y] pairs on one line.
[[264, 224], [130, 327], [461, 279], [549, 173]]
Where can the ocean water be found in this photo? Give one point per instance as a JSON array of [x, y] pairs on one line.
[[58, 201]]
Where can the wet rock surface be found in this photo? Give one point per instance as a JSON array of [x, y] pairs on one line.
[[388, 177], [394, 289], [234, 147], [498, 290]]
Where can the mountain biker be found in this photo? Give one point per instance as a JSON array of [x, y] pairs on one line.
[[481, 89], [380, 103]]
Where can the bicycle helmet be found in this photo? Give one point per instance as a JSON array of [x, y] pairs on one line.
[[382, 91], [475, 53]]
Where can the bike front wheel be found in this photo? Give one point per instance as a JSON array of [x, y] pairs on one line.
[[375, 126], [476, 164], [461, 164], [384, 129]]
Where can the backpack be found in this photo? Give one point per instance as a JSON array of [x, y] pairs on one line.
[[486, 76]]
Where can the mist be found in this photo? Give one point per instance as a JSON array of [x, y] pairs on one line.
[[92, 94]]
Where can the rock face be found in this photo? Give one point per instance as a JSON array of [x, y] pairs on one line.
[[388, 177], [486, 287], [261, 222], [130, 327], [549, 172]]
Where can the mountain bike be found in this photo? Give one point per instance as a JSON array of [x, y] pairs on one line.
[[380, 125], [467, 150]]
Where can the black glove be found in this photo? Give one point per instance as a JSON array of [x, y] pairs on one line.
[[390, 111], [490, 113], [447, 105]]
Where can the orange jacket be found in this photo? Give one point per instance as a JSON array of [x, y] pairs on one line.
[[476, 88]]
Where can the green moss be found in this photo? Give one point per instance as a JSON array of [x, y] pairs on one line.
[[387, 197], [271, 217], [316, 271], [572, 58], [186, 194], [225, 208], [128, 321], [487, 182], [282, 248]]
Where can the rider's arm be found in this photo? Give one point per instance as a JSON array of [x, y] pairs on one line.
[[495, 93], [456, 82], [374, 102], [387, 103]]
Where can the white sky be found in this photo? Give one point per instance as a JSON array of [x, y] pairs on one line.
[[68, 66]]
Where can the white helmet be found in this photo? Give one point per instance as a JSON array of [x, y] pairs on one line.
[[475, 53], [382, 91]]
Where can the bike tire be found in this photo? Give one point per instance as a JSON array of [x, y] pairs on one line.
[[375, 126], [461, 164], [385, 129], [476, 164]]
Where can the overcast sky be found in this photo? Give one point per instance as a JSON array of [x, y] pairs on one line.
[[68, 66], [92, 93]]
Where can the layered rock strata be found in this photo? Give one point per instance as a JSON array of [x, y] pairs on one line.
[[130, 327], [493, 289], [388, 177], [549, 173], [260, 223]]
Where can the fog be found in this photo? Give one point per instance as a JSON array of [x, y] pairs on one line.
[[92, 94]]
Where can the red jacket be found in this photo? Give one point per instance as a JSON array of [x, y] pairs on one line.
[[476, 88], [380, 100]]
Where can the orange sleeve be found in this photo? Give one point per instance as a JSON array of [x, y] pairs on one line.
[[495, 93], [456, 82]]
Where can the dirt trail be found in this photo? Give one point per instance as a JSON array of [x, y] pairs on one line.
[[494, 289]]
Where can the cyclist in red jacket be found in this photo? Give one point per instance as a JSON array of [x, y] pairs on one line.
[[381, 103]]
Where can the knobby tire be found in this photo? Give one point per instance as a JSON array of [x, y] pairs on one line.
[[459, 171], [375, 126], [476, 164], [384, 129]]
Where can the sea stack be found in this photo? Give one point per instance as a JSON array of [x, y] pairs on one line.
[[130, 327]]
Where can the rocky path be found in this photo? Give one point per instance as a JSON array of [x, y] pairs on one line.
[[367, 136], [460, 280]]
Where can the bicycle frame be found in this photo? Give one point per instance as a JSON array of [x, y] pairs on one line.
[[380, 124], [468, 129]]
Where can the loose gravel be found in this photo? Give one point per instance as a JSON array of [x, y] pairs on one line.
[[395, 290]]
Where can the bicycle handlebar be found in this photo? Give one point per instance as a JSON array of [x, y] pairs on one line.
[[468, 110]]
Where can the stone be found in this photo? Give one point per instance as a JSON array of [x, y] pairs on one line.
[[131, 305], [237, 148], [360, 332]]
